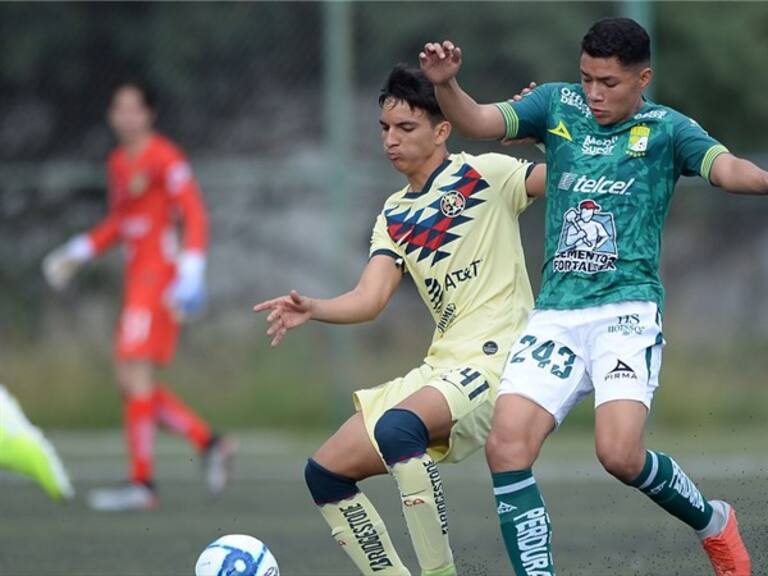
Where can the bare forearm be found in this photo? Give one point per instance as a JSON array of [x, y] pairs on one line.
[[348, 308], [741, 177], [473, 120]]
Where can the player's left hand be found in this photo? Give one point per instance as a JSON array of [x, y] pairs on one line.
[[187, 294], [287, 312]]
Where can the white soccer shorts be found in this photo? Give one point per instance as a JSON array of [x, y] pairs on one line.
[[562, 356]]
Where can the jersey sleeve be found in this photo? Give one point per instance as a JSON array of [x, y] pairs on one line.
[[185, 194], [382, 243], [695, 150], [509, 175], [527, 118], [106, 233]]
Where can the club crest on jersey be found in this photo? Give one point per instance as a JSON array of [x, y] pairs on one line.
[[452, 204], [138, 184], [638, 140], [425, 230], [587, 240]]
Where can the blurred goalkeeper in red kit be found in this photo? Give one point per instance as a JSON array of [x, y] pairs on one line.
[[152, 195]]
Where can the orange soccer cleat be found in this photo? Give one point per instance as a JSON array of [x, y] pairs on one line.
[[726, 550]]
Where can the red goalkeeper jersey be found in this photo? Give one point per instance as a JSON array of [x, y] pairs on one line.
[[151, 197]]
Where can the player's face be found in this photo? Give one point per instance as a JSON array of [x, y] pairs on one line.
[[129, 116], [409, 138], [614, 91]]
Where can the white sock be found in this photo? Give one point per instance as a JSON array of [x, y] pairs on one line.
[[720, 511]]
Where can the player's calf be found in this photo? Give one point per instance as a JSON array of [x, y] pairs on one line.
[[665, 482], [355, 523], [403, 439]]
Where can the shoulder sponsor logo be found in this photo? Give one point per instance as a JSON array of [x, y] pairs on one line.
[[571, 182], [593, 146], [571, 98], [561, 130], [651, 115], [587, 240], [638, 140]]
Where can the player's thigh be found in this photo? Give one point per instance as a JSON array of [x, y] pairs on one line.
[[147, 328], [546, 367], [626, 348], [349, 451], [135, 377], [619, 437], [372, 403], [518, 431], [620, 426], [469, 392]]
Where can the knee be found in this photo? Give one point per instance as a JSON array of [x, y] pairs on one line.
[[510, 450], [327, 487], [401, 435], [622, 460], [135, 379]]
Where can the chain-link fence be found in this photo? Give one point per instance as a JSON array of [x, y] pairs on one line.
[[243, 88]]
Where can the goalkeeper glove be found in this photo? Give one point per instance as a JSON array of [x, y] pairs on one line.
[[61, 264], [187, 293]]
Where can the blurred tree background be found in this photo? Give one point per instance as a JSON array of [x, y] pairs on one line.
[[242, 88]]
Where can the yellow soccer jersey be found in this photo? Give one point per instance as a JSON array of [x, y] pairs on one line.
[[459, 239]]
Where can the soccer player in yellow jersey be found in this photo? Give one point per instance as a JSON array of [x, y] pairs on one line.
[[454, 229]]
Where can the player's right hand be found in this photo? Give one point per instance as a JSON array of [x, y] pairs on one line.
[[440, 62], [59, 266], [287, 312]]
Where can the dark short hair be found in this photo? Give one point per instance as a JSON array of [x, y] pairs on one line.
[[410, 85], [148, 94], [620, 37]]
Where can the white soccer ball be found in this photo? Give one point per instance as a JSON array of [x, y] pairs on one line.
[[236, 555]]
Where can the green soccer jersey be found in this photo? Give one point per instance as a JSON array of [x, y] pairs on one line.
[[608, 193]]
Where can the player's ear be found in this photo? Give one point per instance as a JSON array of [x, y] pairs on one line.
[[646, 75], [442, 132]]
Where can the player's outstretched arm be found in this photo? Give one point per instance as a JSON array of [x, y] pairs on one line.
[[738, 176], [374, 289], [61, 264], [441, 62]]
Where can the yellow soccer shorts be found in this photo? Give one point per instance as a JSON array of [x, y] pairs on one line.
[[470, 392]]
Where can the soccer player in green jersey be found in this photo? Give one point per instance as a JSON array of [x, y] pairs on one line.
[[454, 229], [613, 159]]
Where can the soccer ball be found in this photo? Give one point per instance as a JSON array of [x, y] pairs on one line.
[[236, 555]]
